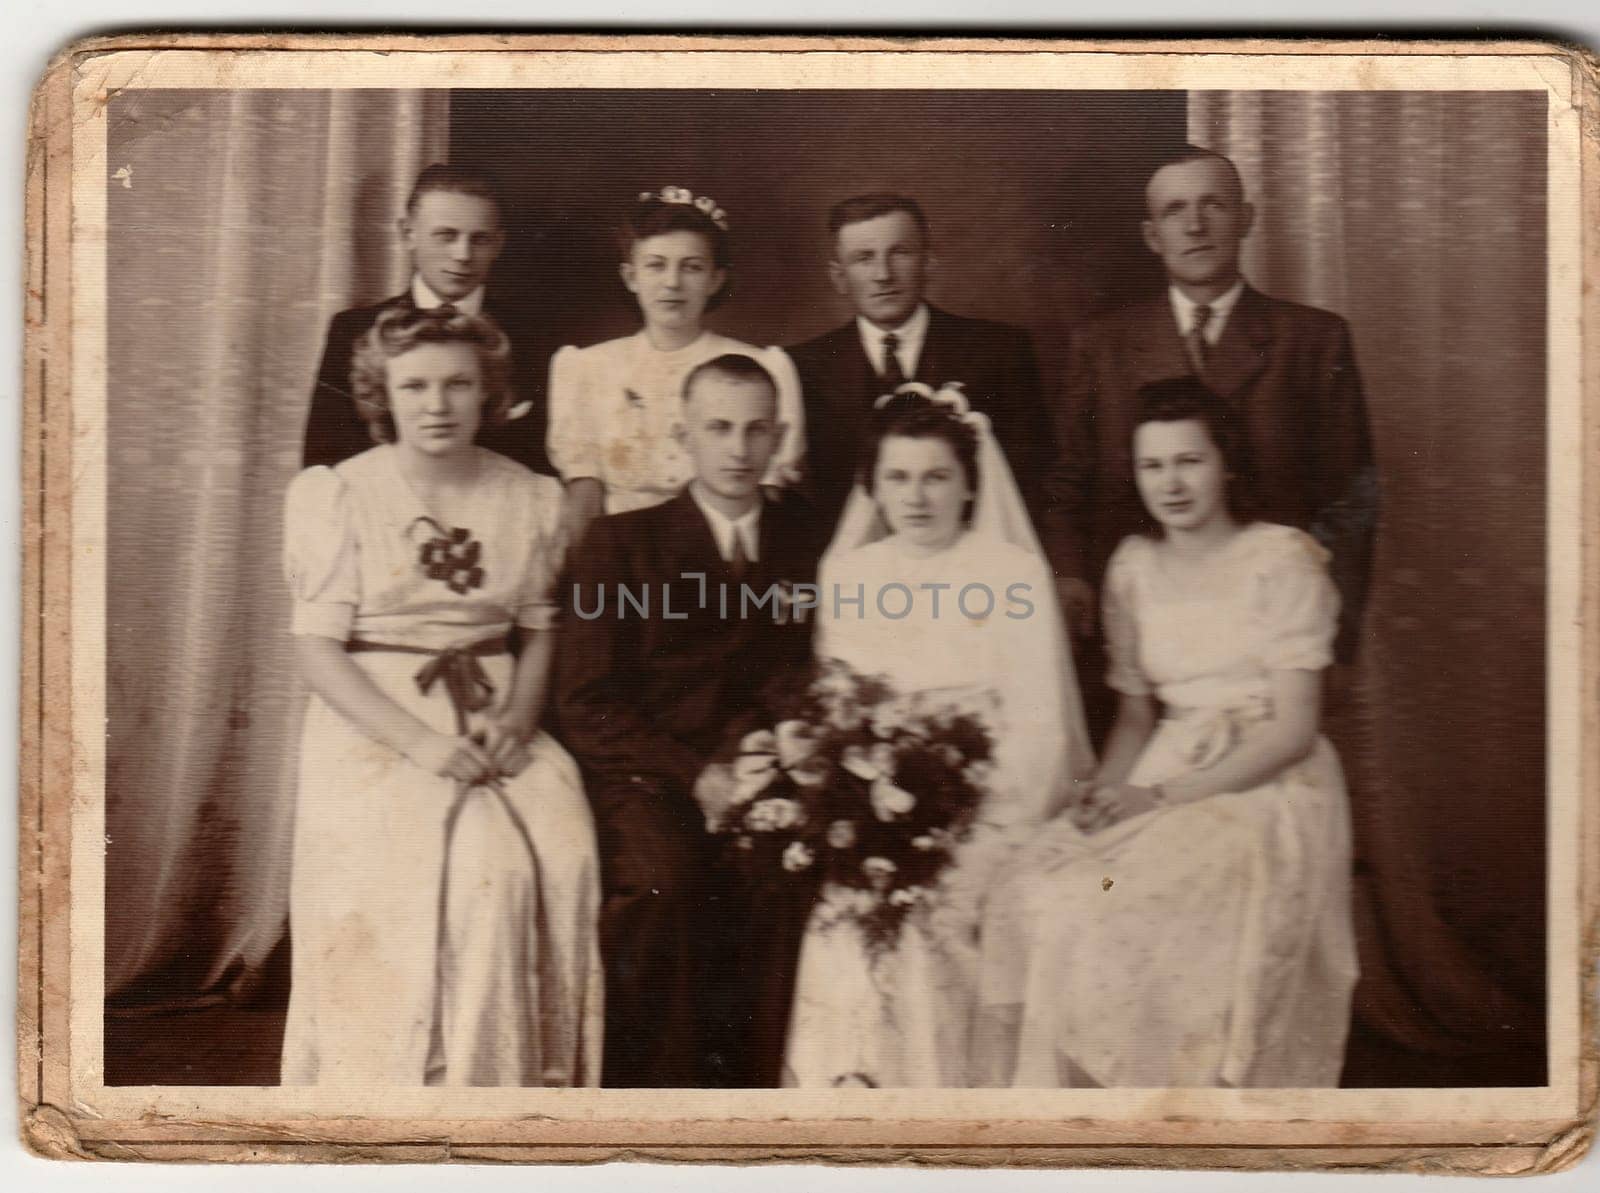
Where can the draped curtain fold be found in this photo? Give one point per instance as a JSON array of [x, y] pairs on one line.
[[243, 220], [1420, 217]]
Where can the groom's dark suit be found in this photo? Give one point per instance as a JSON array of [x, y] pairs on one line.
[[697, 987], [335, 432], [994, 362]]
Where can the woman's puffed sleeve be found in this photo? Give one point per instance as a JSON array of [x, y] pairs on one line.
[[1120, 619], [321, 555], [573, 441], [536, 599], [1298, 605], [786, 466]]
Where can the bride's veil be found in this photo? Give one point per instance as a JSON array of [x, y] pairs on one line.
[[998, 515]]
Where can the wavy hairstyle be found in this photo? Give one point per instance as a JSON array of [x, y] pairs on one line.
[[401, 329], [1185, 399]]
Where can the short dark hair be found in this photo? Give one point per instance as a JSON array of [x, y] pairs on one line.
[[399, 330], [735, 366], [1195, 153], [861, 208], [456, 180], [650, 215], [1185, 399], [912, 416]]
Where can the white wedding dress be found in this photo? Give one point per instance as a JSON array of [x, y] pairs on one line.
[[904, 1018]]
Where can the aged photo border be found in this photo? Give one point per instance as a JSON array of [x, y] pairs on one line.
[[69, 1110]]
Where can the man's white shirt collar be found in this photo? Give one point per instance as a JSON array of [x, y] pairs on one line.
[[1183, 308], [912, 333], [723, 528], [425, 299]]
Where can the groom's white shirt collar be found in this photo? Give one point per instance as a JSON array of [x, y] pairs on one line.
[[723, 528], [912, 333], [425, 299]]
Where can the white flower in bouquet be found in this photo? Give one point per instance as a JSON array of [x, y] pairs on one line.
[[842, 834], [840, 692], [753, 774], [894, 716], [794, 743], [797, 857], [858, 762], [879, 871], [925, 842], [810, 774], [869, 765], [759, 741], [889, 801], [771, 815], [905, 896], [845, 715]]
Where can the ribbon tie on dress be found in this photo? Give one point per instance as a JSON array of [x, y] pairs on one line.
[[1217, 732], [464, 682]]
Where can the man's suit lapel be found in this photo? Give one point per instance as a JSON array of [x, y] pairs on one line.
[[694, 547], [1240, 355], [858, 381], [932, 361], [1155, 347]]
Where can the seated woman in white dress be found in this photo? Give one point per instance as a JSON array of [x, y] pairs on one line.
[[955, 595], [1187, 922], [444, 891], [616, 407]]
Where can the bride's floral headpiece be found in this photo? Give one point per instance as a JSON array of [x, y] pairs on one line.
[[705, 204], [951, 396]]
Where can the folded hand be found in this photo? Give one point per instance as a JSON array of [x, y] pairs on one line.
[[508, 753], [449, 757], [1106, 804]]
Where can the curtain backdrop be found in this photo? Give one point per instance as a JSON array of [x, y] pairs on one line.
[[240, 222], [1421, 219]]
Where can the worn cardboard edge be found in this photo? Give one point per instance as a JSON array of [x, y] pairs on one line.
[[49, 1127], [45, 786]]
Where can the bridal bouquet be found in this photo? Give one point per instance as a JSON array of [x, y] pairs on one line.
[[867, 789]]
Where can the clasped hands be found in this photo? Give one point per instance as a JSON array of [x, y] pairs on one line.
[[1094, 805], [495, 750]]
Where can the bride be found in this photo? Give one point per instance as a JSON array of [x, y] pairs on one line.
[[935, 515]]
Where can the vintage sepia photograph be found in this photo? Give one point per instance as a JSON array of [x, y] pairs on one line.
[[836, 590]]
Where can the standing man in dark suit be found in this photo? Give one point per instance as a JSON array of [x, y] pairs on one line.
[[699, 970], [1288, 370], [881, 260], [454, 230]]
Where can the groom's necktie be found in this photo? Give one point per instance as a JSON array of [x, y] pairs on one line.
[[1195, 342], [738, 561], [893, 375]]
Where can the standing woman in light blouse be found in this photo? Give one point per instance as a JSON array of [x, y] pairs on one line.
[[445, 885], [615, 407]]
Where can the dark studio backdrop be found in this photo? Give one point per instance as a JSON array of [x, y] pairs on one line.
[[1033, 197], [255, 215]]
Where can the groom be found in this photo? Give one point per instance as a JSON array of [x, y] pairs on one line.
[[650, 686]]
